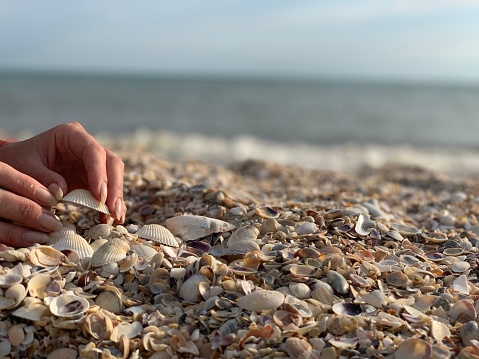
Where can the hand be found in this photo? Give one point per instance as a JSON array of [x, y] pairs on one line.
[[54, 162]]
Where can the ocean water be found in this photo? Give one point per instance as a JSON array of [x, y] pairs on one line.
[[320, 124]]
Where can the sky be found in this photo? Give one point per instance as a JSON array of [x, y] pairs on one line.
[[399, 39]]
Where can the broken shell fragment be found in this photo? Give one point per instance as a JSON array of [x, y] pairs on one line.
[[85, 198]]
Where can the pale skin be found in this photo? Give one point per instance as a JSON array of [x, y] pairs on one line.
[[35, 173]]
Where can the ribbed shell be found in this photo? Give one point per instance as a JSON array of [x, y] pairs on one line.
[[246, 233], [158, 234], [85, 198], [111, 252], [74, 242], [67, 229], [144, 252]]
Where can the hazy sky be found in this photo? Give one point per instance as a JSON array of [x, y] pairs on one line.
[[433, 40]]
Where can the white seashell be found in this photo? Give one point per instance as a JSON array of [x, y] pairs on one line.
[[46, 256], [85, 198], [246, 233], [157, 234], [111, 252], [144, 251], [109, 300], [189, 227], [38, 285], [300, 290], [33, 313], [13, 296], [99, 231], [74, 242], [306, 228], [98, 243], [67, 229], [298, 348], [189, 291], [460, 284], [261, 300], [10, 279], [68, 305], [439, 330], [360, 229]]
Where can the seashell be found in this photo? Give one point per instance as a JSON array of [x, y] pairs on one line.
[[98, 325], [364, 226], [246, 233], [112, 251], [109, 300], [302, 270], [405, 230], [321, 284], [300, 290], [45, 256], [460, 284], [261, 300], [306, 228], [460, 266], [10, 279], [177, 273], [189, 227], [99, 231], [397, 279], [269, 226], [462, 311], [240, 248], [33, 313], [453, 251], [434, 237], [85, 198], [76, 243], [348, 309], [157, 234], [68, 305], [63, 353], [439, 330], [189, 291], [144, 251], [338, 282], [267, 212], [67, 229], [359, 281], [298, 348], [413, 348], [469, 331], [39, 285], [394, 235]]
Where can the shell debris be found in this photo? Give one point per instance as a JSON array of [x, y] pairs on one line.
[[254, 260]]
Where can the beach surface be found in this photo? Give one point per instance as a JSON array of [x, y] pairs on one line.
[[271, 260]]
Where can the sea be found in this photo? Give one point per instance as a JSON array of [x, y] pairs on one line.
[[329, 124]]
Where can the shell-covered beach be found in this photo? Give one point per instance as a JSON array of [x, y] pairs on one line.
[[254, 260]]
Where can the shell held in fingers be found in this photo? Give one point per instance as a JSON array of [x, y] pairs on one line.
[[85, 198]]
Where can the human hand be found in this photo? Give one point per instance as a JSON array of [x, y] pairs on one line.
[[63, 158]]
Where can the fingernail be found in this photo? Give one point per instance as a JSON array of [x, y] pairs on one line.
[[110, 220], [49, 222], [103, 192], [56, 191], [118, 208], [42, 195], [36, 237]]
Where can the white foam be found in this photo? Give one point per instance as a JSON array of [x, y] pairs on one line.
[[341, 157]]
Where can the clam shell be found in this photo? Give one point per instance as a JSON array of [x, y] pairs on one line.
[[13, 296], [68, 305], [45, 256], [85, 198], [111, 252], [267, 212], [74, 242], [298, 348], [189, 291], [413, 348], [338, 282], [348, 309], [246, 233], [99, 231], [189, 227], [397, 279], [261, 300], [300, 290], [157, 234], [7, 280]]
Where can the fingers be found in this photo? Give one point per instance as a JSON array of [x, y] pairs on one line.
[[27, 212], [18, 236], [115, 168]]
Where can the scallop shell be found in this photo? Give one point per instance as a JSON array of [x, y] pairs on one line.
[[189, 291], [55, 236], [74, 242], [261, 300], [246, 233], [85, 198], [145, 252], [157, 234], [111, 252], [189, 227], [68, 305]]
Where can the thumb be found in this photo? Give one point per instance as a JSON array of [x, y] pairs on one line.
[[55, 182]]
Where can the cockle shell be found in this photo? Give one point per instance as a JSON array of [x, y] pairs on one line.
[[68, 305], [85, 198], [157, 234], [74, 242], [189, 227], [246, 233], [99, 231], [190, 291], [55, 236], [145, 252], [111, 252], [261, 300]]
